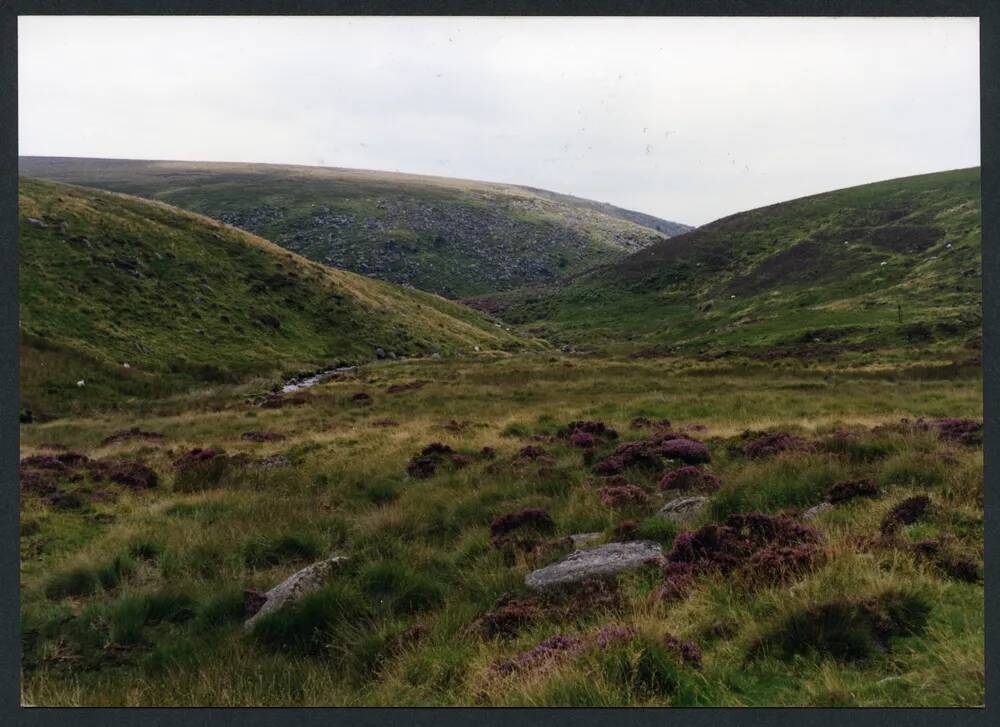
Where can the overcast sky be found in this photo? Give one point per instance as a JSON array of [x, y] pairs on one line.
[[689, 119]]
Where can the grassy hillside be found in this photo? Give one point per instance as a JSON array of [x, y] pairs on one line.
[[135, 597], [108, 280], [450, 236], [889, 265]]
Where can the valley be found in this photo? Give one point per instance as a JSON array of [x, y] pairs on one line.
[[738, 467]]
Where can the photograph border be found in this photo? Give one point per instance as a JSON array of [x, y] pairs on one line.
[[10, 710]]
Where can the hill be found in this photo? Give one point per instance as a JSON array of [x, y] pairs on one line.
[[450, 236], [891, 264], [108, 280]]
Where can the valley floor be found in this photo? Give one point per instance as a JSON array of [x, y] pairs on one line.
[[133, 590]]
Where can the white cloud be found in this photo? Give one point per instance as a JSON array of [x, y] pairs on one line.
[[687, 118]]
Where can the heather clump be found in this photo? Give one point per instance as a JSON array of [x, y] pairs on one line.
[[411, 386], [776, 564], [543, 654], [531, 453], [38, 482], [200, 469], [587, 434], [63, 464], [197, 456], [640, 455], [647, 423], [955, 564], [850, 489], [435, 454], [531, 518], [689, 651], [613, 633], [769, 444], [626, 530], [262, 437], [760, 548], [689, 477], [123, 435], [408, 637], [435, 449], [847, 630], [42, 473], [962, 431], [689, 451], [624, 497], [506, 618], [906, 512], [968, 432], [134, 475], [421, 467]]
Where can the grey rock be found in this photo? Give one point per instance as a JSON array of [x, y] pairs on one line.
[[602, 561], [683, 508], [379, 353], [581, 540], [816, 510], [309, 579], [36, 223]]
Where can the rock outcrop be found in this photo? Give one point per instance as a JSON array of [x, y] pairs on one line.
[[600, 562], [309, 579]]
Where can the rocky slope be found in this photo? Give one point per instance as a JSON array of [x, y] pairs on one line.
[[450, 236]]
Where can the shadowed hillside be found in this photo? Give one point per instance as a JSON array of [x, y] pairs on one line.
[[454, 237], [891, 264], [108, 280]]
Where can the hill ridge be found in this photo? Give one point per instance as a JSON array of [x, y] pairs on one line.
[[450, 236], [108, 279], [890, 263]]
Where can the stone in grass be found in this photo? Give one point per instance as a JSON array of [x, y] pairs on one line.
[[309, 579], [600, 562], [683, 508], [816, 510]]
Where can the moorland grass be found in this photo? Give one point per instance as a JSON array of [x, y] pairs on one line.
[[422, 558]]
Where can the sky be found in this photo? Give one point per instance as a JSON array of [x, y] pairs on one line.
[[689, 119]]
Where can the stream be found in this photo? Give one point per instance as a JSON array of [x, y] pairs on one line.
[[297, 384]]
